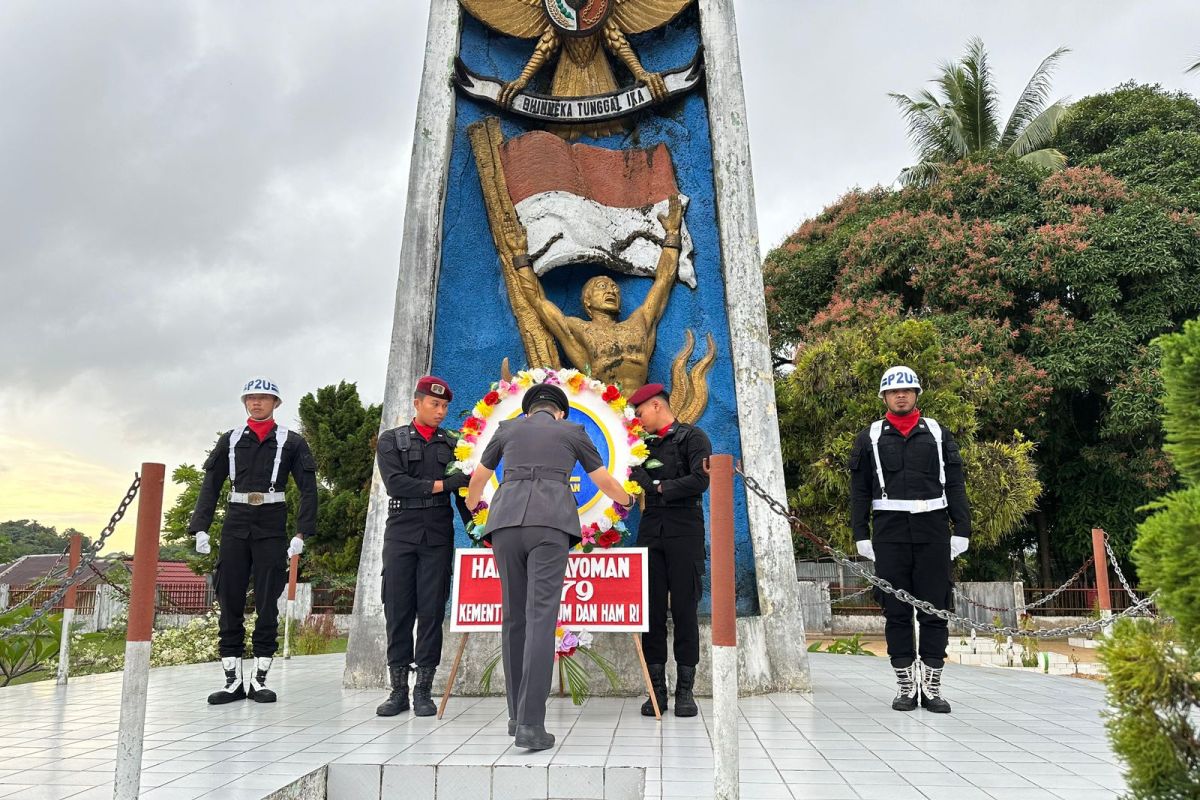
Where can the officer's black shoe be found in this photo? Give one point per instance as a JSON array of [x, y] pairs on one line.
[[233, 689], [658, 682], [422, 703], [685, 704], [906, 691], [259, 692], [398, 700], [512, 727], [931, 690], [534, 737]]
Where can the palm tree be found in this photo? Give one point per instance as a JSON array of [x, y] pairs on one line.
[[966, 118]]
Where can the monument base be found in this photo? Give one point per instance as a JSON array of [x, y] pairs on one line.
[[762, 667]]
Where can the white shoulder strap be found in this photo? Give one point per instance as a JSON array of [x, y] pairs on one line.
[[234, 435], [876, 432], [936, 430], [281, 435]]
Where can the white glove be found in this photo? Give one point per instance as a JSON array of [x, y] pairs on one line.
[[866, 549], [296, 547], [202, 545], [958, 546]]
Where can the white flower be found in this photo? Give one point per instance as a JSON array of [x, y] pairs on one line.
[[628, 412], [467, 467], [585, 639], [565, 375], [605, 523], [538, 374]]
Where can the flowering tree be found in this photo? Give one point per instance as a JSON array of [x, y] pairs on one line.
[[1056, 284]]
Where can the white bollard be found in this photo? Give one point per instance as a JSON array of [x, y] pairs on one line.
[[64, 647], [134, 685], [287, 629], [725, 722]]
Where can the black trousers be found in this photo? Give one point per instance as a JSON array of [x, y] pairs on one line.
[[676, 580], [532, 562], [241, 560], [416, 585], [924, 570]]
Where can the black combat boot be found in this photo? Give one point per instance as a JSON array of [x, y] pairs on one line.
[[233, 689], [398, 700], [259, 692], [685, 704], [906, 691], [422, 703], [658, 682], [931, 690]]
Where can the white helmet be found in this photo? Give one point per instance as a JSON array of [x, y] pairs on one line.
[[261, 385], [899, 378]]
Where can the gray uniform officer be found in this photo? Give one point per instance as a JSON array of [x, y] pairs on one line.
[[532, 523]]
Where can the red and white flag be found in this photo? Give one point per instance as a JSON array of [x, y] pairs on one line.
[[585, 204]]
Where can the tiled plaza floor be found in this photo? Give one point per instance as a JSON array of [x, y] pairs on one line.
[[1012, 735]]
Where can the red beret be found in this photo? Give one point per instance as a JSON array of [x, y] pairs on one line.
[[647, 392], [435, 387]]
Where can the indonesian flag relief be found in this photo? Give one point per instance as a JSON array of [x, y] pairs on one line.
[[585, 204]]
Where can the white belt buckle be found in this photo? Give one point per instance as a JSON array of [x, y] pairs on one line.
[[922, 506], [255, 498]]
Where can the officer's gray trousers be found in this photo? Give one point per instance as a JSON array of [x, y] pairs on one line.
[[531, 562]]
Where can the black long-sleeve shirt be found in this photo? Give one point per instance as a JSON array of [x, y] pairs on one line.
[[910, 470], [675, 511], [255, 460]]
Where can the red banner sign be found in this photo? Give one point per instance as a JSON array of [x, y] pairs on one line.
[[604, 590]]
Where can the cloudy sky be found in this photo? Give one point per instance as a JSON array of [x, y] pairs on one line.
[[191, 193]]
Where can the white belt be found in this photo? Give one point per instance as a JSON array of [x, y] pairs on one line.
[[911, 506], [257, 498]]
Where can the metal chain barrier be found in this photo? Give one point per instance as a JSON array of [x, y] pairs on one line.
[[85, 562], [900, 594], [1024, 609], [845, 599], [1116, 565]]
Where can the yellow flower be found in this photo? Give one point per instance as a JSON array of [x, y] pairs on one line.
[[612, 514], [575, 382], [463, 492], [483, 410], [618, 405], [633, 487], [480, 517], [462, 451], [524, 380], [558, 632], [640, 450]]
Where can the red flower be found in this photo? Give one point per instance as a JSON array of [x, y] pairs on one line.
[[610, 394], [491, 398], [609, 538]]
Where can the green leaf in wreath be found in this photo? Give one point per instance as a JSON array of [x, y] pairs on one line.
[[652, 463]]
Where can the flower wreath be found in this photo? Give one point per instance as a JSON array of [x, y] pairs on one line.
[[602, 523]]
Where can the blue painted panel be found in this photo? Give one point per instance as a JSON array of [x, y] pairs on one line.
[[475, 328]]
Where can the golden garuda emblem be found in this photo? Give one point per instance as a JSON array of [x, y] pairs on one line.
[[580, 35]]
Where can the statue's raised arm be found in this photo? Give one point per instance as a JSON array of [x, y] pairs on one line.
[[651, 311], [558, 323]]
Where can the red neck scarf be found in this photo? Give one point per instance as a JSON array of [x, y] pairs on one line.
[[425, 431], [262, 428], [663, 431], [906, 423]]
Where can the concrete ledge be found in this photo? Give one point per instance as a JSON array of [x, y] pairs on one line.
[[498, 782]]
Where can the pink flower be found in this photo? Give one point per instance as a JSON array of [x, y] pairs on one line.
[[588, 536]]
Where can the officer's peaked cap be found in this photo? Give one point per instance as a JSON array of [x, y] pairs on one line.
[[545, 392]]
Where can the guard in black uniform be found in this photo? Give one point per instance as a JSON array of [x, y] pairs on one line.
[[672, 527], [257, 457], [906, 482], [418, 545]]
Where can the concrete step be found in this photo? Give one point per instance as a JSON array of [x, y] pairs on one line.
[[345, 781]]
